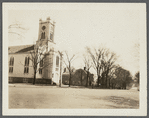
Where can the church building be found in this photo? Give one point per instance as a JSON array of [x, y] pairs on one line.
[[21, 66]]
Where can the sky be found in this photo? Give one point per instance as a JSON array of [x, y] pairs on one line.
[[113, 26]]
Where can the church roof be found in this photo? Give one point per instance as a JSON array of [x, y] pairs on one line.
[[20, 49]]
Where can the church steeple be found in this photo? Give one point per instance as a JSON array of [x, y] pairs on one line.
[[46, 31]]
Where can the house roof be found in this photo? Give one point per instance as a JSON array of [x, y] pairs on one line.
[[20, 49], [83, 71], [67, 73]]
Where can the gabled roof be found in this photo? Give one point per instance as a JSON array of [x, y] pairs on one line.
[[83, 71], [20, 49], [67, 73]]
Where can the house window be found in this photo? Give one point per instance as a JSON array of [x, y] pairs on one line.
[[26, 66], [57, 61], [41, 66], [43, 35], [11, 63]]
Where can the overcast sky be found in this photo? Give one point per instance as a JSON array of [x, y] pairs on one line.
[[113, 26]]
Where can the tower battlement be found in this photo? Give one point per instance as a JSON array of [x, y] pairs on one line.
[[46, 30]]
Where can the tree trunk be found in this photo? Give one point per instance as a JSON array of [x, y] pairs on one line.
[[124, 85], [34, 80], [98, 81], [81, 78], [109, 82], [69, 79], [103, 80], [113, 86], [106, 82], [60, 84], [106, 79], [87, 79]]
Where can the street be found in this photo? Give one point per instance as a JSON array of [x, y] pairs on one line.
[[40, 97]]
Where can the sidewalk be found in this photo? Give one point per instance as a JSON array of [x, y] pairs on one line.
[[26, 85], [31, 85]]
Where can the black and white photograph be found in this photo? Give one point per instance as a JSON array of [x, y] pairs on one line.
[[74, 59]]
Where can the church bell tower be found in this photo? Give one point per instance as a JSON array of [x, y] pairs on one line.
[[46, 33], [46, 38]]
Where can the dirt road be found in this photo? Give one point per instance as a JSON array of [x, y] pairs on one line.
[[38, 97]]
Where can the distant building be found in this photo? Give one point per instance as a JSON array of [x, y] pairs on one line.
[[65, 70], [20, 67], [79, 78]]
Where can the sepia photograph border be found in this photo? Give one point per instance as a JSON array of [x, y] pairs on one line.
[[142, 111]]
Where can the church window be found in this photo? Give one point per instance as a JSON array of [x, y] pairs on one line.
[[57, 61], [26, 66], [11, 63], [44, 27], [64, 70], [43, 35], [41, 66], [51, 36]]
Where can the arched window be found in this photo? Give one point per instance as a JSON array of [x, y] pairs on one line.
[[26, 65], [57, 61], [41, 66], [26, 61], [51, 36], [41, 63], [43, 35], [11, 63]]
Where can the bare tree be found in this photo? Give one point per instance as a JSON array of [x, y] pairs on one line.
[[111, 75], [108, 63], [68, 63], [96, 57], [88, 65], [137, 51], [137, 57], [61, 58], [38, 57], [103, 61], [123, 77], [137, 77]]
